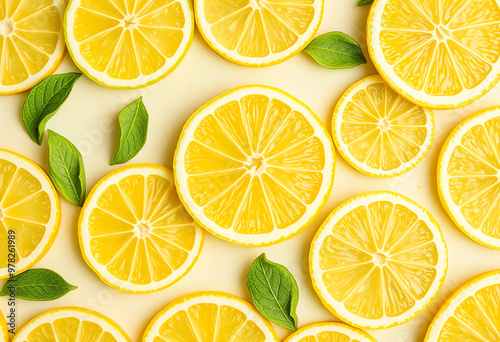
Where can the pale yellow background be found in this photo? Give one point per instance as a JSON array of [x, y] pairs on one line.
[[89, 118]]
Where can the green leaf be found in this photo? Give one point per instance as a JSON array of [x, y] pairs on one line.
[[336, 50], [37, 285], [66, 168], [365, 2], [274, 292], [44, 100], [133, 131]]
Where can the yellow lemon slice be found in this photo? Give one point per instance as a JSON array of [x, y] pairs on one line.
[[378, 260], [71, 324], [128, 43], [209, 316], [471, 314], [254, 166], [469, 176], [4, 331], [258, 32], [329, 332], [31, 42], [30, 213], [378, 132], [135, 233], [438, 54]]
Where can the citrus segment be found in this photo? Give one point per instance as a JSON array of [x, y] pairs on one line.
[[258, 32], [378, 132], [254, 166], [134, 231], [209, 316], [329, 332], [378, 260]]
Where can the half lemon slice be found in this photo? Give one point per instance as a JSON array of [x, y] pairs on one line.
[[254, 166], [135, 233], [378, 260], [329, 332], [128, 43]]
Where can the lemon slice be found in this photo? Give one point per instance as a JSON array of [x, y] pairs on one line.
[[438, 54], [209, 316], [4, 331], [135, 233], [31, 42], [128, 43], [258, 32], [254, 166], [471, 314], [30, 213], [378, 260], [469, 176], [378, 132], [329, 332], [71, 324]]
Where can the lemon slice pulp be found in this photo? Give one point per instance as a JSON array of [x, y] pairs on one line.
[[329, 332]]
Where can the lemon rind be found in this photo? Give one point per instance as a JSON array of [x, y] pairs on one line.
[[316, 328]]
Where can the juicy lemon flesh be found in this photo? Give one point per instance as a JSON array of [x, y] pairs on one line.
[[477, 318], [474, 170], [328, 336], [29, 33], [139, 229], [24, 208], [379, 260], [381, 129], [254, 165], [127, 39], [257, 28], [441, 47], [70, 329], [210, 322]]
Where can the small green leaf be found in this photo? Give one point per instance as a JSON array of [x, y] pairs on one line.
[[274, 292], [37, 285], [365, 2], [133, 131], [336, 50], [66, 168], [44, 100]]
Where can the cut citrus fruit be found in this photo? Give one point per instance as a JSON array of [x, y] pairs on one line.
[[128, 43], [378, 260], [4, 331], [31, 42], [378, 132], [469, 176], [471, 314], [71, 324], [438, 54], [209, 316], [30, 213], [254, 166], [258, 32], [135, 233], [329, 332]]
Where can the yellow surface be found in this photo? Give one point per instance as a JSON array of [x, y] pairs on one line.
[[4, 333]]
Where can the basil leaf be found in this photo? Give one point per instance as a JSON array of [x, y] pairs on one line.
[[365, 2], [44, 100], [336, 50], [274, 292], [37, 285], [133, 121], [66, 168]]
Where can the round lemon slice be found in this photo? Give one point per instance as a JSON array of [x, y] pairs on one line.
[[258, 32], [378, 132], [471, 314], [31, 42], [135, 233], [30, 213], [4, 331], [128, 43], [469, 176], [71, 324], [209, 316], [378, 260], [438, 54], [326, 332], [254, 166]]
